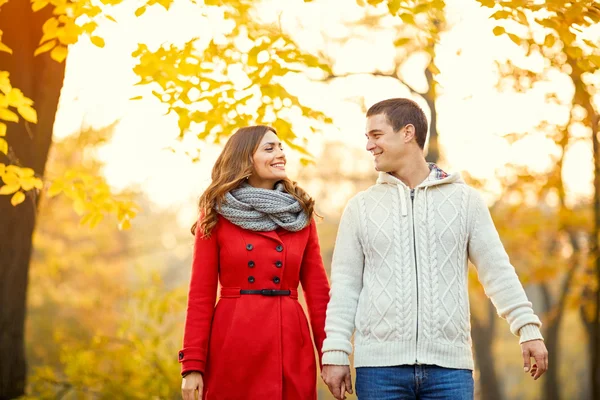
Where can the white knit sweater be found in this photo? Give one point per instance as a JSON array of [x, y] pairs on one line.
[[399, 276]]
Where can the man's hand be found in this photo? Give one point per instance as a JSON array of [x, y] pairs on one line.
[[190, 383], [537, 350], [338, 380]]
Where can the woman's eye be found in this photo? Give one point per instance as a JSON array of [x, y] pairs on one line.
[[269, 149]]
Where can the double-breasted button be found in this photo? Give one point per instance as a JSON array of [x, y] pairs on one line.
[[276, 279], [251, 279], [251, 264], [249, 247], [279, 248], [278, 264]]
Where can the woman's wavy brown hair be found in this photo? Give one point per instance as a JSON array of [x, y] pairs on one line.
[[233, 167]]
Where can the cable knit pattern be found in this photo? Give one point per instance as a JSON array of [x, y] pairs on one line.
[[403, 292], [369, 255], [430, 269], [406, 297]]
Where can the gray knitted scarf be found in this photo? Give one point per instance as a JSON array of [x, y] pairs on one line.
[[263, 210]]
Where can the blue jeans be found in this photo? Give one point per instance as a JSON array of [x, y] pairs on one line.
[[421, 382]]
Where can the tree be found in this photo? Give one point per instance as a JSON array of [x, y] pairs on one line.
[[556, 32], [417, 26], [193, 82]]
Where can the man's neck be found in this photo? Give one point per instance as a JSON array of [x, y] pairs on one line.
[[413, 173]]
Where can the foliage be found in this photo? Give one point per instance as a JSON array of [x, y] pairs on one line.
[[213, 87]]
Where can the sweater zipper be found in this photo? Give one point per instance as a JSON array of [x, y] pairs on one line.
[[412, 200]]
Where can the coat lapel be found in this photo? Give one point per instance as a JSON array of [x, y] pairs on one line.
[[270, 234]]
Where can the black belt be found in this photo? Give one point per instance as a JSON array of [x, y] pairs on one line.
[[267, 292]]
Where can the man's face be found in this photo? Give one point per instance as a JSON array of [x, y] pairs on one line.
[[386, 146]]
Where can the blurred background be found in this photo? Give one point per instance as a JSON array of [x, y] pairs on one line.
[[112, 113]]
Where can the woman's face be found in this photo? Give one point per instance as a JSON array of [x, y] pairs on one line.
[[269, 163]]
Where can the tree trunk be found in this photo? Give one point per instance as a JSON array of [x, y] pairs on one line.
[[595, 251], [483, 338], [39, 78], [433, 153], [583, 97], [551, 386]]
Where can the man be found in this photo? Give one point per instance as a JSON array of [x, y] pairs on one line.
[[399, 274]]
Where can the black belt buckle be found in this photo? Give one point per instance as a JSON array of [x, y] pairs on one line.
[[268, 292]]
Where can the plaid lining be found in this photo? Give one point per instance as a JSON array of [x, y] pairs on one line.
[[436, 173]]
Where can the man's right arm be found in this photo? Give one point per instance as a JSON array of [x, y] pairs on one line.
[[346, 284]]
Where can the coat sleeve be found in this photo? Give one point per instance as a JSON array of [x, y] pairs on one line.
[[315, 286], [201, 303], [497, 275]]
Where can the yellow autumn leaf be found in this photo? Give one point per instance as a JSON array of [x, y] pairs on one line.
[[140, 11], [38, 5], [38, 184], [59, 53], [45, 47], [98, 41], [18, 198], [9, 177], [5, 82], [79, 206], [9, 189], [69, 34], [50, 27], [96, 219], [25, 172], [8, 115], [15, 97], [2, 129], [5, 48], [55, 189], [125, 225], [28, 113], [3, 146]]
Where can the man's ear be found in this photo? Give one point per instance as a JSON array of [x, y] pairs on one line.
[[409, 133]]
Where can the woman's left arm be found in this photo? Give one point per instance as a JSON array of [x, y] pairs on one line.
[[315, 286]]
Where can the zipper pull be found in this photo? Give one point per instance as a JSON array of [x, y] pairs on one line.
[[412, 194]]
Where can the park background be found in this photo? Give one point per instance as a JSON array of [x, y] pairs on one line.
[[112, 113]]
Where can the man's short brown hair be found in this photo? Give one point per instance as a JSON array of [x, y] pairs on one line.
[[401, 112]]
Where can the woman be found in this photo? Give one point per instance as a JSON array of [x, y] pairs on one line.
[[255, 236]]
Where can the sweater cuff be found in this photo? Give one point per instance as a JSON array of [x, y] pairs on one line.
[[336, 357], [530, 332]]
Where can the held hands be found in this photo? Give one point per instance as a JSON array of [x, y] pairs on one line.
[[537, 350], [338, 380], [190, 383]]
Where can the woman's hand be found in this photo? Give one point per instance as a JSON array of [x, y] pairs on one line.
[[190, 383]]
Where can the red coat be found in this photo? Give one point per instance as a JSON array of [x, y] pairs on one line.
[[252, 346]]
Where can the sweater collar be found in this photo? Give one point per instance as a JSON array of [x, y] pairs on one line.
[[436, 177]]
